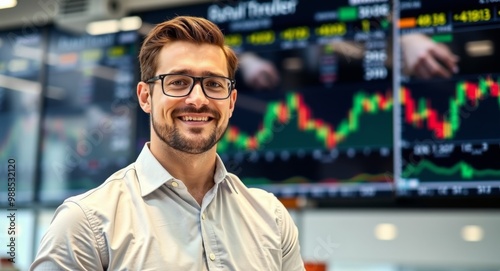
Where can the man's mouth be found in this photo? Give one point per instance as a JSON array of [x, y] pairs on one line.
[[195, 118]]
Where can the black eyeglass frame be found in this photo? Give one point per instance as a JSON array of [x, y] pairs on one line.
[[195, 79]]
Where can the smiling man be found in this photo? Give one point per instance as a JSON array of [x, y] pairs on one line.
[[176, 207]]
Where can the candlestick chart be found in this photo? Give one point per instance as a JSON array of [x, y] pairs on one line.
[[471, 103], [332, 138], [449, 131], [447, 136], [304, 130]]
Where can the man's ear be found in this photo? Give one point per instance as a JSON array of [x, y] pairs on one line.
[[232, 101], [144, 96]]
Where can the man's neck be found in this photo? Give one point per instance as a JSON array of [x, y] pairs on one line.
[[196, 171]]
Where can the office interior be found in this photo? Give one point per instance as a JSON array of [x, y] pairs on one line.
[[384, 165]]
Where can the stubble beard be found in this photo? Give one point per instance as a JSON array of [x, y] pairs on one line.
[[171, 136]]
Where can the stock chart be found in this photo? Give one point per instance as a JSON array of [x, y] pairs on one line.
[[448, 135], [298, 140], [349, 108], [325, 130], [20, 95], [89, 111]]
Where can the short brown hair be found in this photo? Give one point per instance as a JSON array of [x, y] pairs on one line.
[[182, 28]]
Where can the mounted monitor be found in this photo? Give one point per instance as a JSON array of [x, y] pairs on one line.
[[448, 141], [21, 55], [89, 116], [314, 111]]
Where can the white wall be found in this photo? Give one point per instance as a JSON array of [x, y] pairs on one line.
[[423, 238]]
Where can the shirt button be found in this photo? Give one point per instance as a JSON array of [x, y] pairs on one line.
[[203, 216], [175, 184], [212, 256]]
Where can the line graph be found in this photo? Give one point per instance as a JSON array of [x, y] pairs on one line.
[[462, 170], [303, 128], [358, 178], [421, 114]]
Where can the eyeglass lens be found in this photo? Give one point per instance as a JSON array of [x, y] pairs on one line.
[[181, 85]]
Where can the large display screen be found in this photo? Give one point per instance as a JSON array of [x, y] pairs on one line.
[[315, 107], [351, 99], [449, 106], [88, 125], [21, 54]]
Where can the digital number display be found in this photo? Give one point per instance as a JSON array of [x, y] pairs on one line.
[[261, 38], [433, 19], [473, 15], [331, 29]]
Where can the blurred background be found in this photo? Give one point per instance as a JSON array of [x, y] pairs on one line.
[[376, 122]]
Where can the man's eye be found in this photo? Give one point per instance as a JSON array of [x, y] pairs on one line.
[[213, 84], [178, 83]]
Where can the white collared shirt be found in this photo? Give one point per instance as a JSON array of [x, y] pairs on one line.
[[142, 218]]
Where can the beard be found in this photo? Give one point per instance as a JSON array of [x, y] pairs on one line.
[[171, 135]]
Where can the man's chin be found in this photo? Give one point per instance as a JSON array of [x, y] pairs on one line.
[[194, 143], [192, 149], [195, 130]]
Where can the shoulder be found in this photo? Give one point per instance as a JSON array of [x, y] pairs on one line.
[[83, 210], [95, 208], [121, 182], [84, 218], [259, 199], [255, 193], [72, 234]]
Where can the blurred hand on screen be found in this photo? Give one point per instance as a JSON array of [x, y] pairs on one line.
[[426, 59], [257, 72]]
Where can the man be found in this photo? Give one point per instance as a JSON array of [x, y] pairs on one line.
[[176, 208]]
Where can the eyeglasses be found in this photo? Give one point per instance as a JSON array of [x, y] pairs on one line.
[[181, 85]]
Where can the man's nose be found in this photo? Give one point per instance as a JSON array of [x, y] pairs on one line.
[[197, 96]]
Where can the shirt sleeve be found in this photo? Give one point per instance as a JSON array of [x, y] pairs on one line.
[[69, 243], [292, 259]]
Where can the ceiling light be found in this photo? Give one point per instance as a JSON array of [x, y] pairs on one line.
[[386, 232], [130, 23], [472, 233], [7, 3], [103, 27], [112, 26]]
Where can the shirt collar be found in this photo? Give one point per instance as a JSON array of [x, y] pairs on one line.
[[152, 174]]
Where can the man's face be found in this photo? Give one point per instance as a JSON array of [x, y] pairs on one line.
[[195, 123]]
